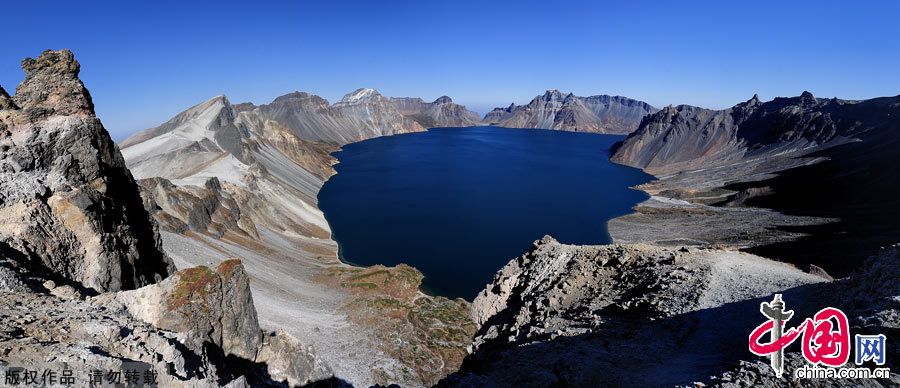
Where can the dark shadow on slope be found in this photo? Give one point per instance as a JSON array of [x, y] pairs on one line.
[[331, 382], [860, 185], [633, 351], [27, 266], [231, 367]]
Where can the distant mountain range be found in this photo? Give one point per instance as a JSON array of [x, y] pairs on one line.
[[555, 110], [443, 112], [685, 137], [360, 115]]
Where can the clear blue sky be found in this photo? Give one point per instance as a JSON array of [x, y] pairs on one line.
[[145, 62]]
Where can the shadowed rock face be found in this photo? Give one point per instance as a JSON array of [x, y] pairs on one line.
[[67, 201], [197, 328], [215, 306], [555, 110], [208, 209]]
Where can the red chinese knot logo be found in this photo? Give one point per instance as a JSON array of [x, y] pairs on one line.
[[826, 336]]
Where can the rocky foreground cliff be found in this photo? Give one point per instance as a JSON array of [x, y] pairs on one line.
[[85, 283], [643, 315], [68, 204]]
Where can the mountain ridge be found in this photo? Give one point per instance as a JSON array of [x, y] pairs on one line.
[[565, 111], [253, 193], [442, 112]]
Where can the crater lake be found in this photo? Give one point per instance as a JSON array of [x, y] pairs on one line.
[[459, 203]]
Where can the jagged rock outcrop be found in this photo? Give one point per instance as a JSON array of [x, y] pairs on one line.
[[649, 316], [289, 361], [215, 306], [208, 209], [443, 112], [210, 305], [590, 315], [67, 201], [197, 328], [557, 289], [41, 330], [6, 101], [556, 110]]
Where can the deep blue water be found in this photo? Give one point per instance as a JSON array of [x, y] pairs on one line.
[[459, 203]]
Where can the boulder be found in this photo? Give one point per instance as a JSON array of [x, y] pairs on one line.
[[209, 305], [215, 306]]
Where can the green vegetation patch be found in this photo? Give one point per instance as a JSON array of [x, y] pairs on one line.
[[227, 268], [192, 281]]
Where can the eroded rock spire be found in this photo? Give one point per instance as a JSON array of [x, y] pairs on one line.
[[52, 86], [68, 204]]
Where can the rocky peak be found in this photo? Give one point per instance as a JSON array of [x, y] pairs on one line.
[[220, 99], [208, 121], [302, 100], [553, 95], [669, 111], [807, 95], [68, 204], [218, 105], [443, 100], [52, 86], [292, 96], [243, 107], [361, 95]]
